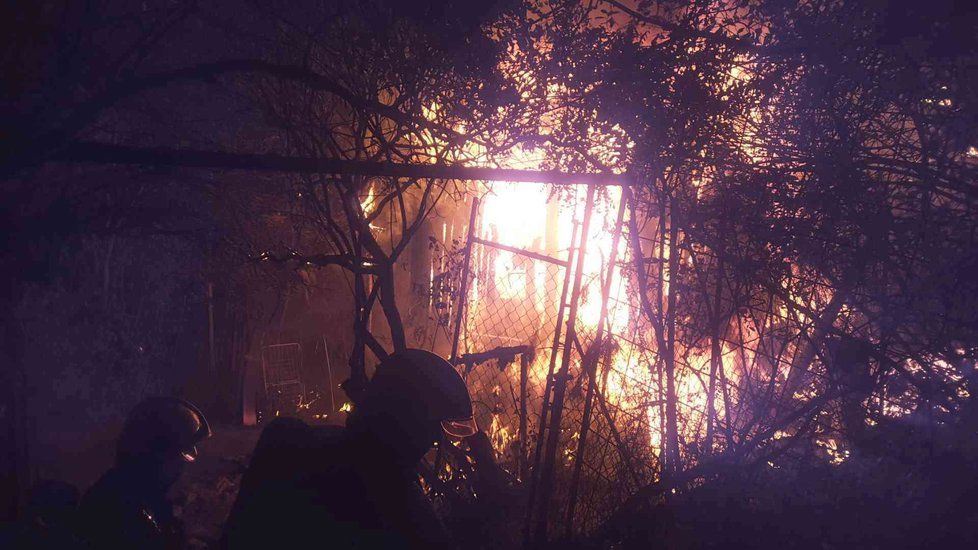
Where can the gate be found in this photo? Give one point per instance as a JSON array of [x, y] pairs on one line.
[[529, 365], [504, 336]]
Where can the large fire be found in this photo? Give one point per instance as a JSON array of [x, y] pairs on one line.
[[629, 377], [516, 215], [513, 300]]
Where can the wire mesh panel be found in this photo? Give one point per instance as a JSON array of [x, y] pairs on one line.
[[281, 371], [505, 314], [622, 453], [672, 357], [512, 304], [513, 300], [282, 364], [610, 438]]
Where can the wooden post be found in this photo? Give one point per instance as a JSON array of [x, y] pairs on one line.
[[464, 284]]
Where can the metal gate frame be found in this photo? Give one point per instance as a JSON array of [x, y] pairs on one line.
[[539, 473]]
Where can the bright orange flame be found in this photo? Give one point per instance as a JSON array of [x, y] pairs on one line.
[[514, 214]]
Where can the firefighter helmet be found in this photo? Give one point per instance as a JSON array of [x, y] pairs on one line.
[[162, 427], [420, 382]]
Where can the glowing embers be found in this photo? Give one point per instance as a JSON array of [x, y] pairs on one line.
[[368, 202]]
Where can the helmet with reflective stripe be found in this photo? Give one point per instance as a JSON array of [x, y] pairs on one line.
[[421, 384], [161, 427]]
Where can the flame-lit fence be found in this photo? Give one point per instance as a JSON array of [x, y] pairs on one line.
[[565, 373], [505, 341], [529, 357]]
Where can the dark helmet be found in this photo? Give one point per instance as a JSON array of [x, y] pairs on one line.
[[161, 427], [419, 384]]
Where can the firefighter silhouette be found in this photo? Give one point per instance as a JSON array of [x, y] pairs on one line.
[[355, 487], [127, 506]]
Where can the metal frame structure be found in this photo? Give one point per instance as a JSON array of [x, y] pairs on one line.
[[538, 472], [281, 366]]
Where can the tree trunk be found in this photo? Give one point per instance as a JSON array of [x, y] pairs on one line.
[[672, 428], [716, 351]]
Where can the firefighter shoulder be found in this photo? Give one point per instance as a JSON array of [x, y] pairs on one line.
[[355, 487], [127, 506]]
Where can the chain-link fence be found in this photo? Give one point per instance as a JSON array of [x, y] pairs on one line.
[[506, 343], [733, 352], [520, 307], [512, 336]]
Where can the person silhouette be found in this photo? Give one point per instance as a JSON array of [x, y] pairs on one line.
[[355, 487], [127, 506]]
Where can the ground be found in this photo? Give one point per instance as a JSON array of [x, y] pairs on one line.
[[205, 495]]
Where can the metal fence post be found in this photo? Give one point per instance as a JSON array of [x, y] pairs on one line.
[[560, 383], [548, 387], [589, 365]]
